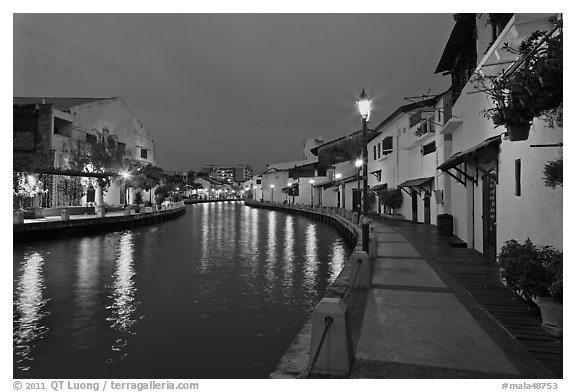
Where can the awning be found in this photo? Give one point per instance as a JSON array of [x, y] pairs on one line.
[[467, 157], [323, 183], [378, 187], [355, 177], [418, 185], [287, 189]]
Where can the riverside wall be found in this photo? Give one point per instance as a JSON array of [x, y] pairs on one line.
[[294, 363], [40, 229]]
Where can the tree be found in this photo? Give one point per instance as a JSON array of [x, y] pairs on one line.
[[147, 177], [102, 156]]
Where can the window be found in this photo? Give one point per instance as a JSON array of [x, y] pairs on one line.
[[387, 145], [428, 148], [374, 152], [258, 182], [321, 172], [379, 150], [518, 173], [91, 139], [144, 153]]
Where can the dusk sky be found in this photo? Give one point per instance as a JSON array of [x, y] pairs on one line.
[[234, 88]]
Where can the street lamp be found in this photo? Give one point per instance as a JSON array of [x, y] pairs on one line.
[[289, 185], [364, 107], [125, 176], [312, 193], [358, 164], [338, 176], [272, 188]]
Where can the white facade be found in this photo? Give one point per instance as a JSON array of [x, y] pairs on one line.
[[537, 212]]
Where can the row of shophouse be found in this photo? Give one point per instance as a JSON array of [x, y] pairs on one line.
[[443, 153]]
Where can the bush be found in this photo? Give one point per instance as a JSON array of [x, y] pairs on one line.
[[531, 270], [160, 198], [392, 198]]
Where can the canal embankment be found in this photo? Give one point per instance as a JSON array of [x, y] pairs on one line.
[[295, 361], [66, 223], [413, 320]]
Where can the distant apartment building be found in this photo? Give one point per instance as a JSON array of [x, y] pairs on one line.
[[228, 174]]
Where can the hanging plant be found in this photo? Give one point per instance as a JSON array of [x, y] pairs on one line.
[[534, 89], [553, 173]]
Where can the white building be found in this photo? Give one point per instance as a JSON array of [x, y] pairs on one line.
[[67, 122], [493, 187]]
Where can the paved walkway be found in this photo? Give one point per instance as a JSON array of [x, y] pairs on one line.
[[421, 322]]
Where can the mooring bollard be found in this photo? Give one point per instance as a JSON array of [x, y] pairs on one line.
[[18, 217], [331, 342], [65, 215], [360, 270], [373, 246]]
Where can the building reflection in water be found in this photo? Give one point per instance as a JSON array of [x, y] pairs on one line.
[[311, 255], [338, 259], [87, 285], [205, 232], [271, 247], [289, 243], [124, 290], [28, 305]]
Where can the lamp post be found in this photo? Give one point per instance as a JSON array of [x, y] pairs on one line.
[[358, 164], [272, 188], [312, 193], [126, 176], [338, 176], [364, 107], [289, 185]]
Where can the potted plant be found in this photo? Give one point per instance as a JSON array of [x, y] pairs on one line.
[[535, 272]]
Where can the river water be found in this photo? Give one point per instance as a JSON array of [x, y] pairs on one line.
[[219, 292]]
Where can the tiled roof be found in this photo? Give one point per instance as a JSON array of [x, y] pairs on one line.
[[61, 103]]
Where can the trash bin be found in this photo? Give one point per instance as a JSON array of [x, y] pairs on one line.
[[445, 224]]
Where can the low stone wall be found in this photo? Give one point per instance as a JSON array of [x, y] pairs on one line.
[[53, 227]]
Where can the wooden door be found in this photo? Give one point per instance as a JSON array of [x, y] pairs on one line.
[[489, 216], [414, 206]]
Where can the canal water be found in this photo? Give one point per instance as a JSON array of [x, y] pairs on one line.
[[219, 292]]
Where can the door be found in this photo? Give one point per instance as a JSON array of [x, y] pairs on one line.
[[356, 200], [427, 208], [414, 206], [489, 216]]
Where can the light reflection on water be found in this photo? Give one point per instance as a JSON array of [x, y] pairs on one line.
[[224, 289], [28, 314], [123, 293]]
